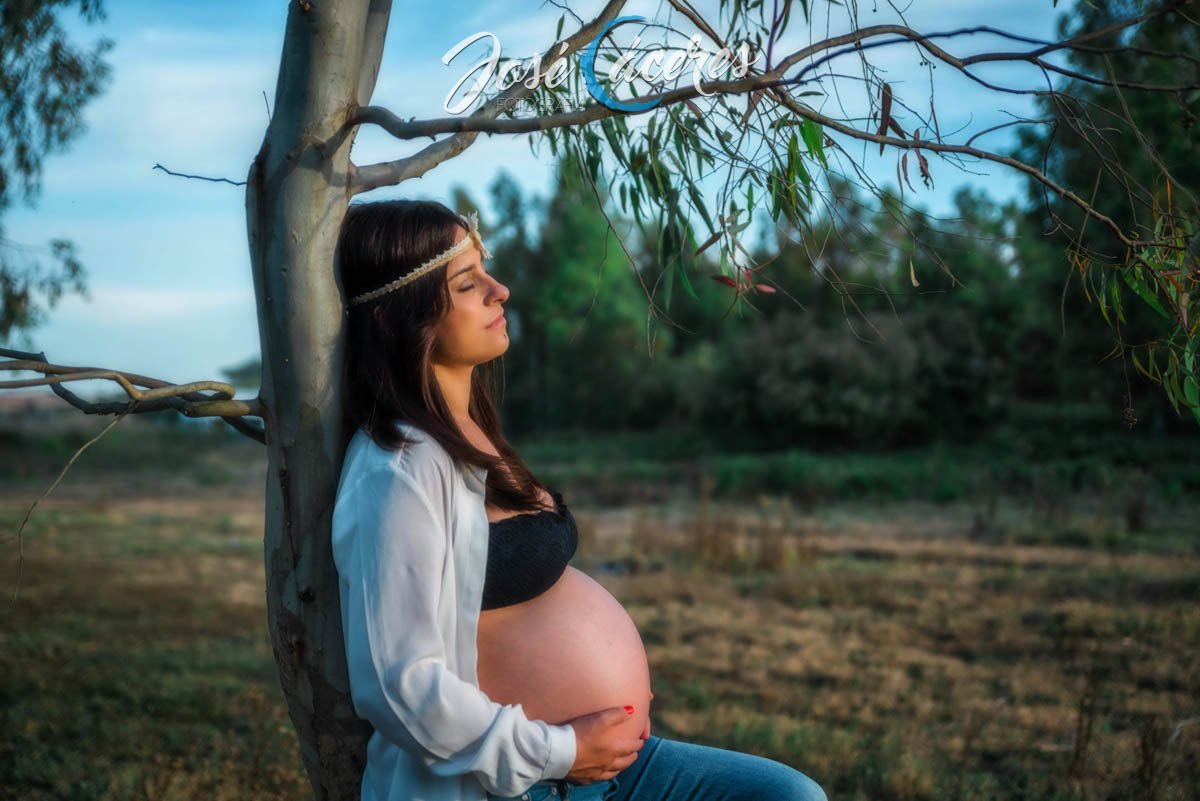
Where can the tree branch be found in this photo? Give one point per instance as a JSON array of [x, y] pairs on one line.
[[55, 483], [484, 120], [374, 33], [599, 111], [187, 399], [373, 176], [938, 147], [198, 177]]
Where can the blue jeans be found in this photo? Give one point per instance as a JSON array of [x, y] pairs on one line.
[[672, 770]]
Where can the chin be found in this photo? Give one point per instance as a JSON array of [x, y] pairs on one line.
[[499, 351]]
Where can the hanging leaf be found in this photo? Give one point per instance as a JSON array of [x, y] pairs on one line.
[[904, 164], [1138, 363], [1137, 282], [885, 113], [805, 178], [1116, 301], [614, 143], [684, 279], [782, 192], [1174, 391], [814, 140], [926, 177], [698, 202], [1103, 307]]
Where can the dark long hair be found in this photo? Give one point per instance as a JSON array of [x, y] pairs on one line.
[[389, 340]]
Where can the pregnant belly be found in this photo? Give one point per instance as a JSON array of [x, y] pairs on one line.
[[568, 652]]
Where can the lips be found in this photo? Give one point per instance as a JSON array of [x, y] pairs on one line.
[[497, 322]]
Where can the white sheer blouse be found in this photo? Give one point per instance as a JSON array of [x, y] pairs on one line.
[[410, 537]]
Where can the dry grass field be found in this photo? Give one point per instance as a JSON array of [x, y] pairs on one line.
[[898, 651]]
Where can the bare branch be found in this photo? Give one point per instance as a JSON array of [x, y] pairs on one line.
[[1147, 147], [58, 479], [198, 177], [1010, 123], [373, 176], [187, 399], [477, 123], [939, 147], [484, 120], [372, 51], [904, 33], [599, 111]]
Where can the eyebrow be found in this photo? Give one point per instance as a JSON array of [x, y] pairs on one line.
[[464, 270]]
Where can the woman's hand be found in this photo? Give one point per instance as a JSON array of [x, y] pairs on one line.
[[601, 750]]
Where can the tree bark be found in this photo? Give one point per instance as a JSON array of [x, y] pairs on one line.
[[297, 193]]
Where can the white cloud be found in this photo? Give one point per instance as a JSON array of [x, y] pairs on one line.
[[140, 306]]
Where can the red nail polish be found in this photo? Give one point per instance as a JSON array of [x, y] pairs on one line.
[[628, 710]]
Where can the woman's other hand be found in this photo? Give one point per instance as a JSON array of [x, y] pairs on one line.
[[601, 750]]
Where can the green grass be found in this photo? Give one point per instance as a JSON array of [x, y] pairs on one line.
[[119, 688], [1005, 463], [895, 653]]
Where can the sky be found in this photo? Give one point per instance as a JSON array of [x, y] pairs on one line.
[[169, 287]]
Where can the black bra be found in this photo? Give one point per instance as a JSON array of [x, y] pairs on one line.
[[527, 553]]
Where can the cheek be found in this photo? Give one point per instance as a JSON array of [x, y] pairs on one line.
[[458, 323]]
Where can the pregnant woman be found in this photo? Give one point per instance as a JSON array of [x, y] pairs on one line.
[[488, 666]]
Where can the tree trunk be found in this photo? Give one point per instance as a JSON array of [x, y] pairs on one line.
[[297, 194]]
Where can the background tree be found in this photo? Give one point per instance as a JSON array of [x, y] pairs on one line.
[[1137, 157], [45, 83], [753, 132], [579, 316]]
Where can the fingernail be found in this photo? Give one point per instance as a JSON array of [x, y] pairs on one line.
[[628, 710]]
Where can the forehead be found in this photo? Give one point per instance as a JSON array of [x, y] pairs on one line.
[[463, 262]]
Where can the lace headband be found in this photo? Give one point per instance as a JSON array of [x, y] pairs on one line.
[[471, 221]]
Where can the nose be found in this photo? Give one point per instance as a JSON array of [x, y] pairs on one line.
[[500, 290]]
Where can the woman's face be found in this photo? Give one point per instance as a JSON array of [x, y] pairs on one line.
[[473, 330]]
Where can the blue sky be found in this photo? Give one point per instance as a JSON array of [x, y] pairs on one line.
[[166, 258]]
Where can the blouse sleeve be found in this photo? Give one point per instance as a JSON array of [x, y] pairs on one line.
[[390, 541]]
